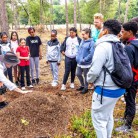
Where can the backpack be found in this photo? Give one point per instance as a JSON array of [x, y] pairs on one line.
[[122, 74], [5, 49]]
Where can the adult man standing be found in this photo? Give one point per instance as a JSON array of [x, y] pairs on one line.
[[98, 25], [108, 95], [7, 61]]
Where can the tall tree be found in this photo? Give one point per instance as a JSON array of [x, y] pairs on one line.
[[41, 12], [51, 12], [79, 14], [119, 9], [15, 21], [126, 12], [4, 17], [67, 20], [75, 13], [100, 6]]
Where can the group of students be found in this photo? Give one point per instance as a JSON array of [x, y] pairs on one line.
[[28, 51], [85, 58], [78, 57]]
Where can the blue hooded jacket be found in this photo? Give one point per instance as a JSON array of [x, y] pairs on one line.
[[85, 52]]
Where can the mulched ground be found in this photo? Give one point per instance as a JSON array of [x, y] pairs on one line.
[[45, 112]]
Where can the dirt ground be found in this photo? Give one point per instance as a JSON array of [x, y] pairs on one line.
[[46, 112]]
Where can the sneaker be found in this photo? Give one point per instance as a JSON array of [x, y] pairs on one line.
[[72, 86], [3, 104], [33, 82], [30, 86], [84, 91], [123, 128], [80, 88], [54, 84], [120, 119], [37, 80], [23, 88], [63, 88]]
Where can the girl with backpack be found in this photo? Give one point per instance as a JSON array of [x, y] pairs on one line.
[[5, 46], [23, 54], [69, 50]]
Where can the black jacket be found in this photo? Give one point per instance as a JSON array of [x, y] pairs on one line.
[[63, 45], [132, 51]]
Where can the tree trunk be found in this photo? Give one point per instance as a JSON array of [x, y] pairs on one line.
[[27, 12], [79, 15], [100, 6], [4, 17], [15, 16], [126, 12], [41, 12], [67, 20], [119, 10], [51, 11], [75, 12]]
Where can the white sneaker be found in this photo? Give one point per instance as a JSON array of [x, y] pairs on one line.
[[63, 88], [72, 86], [54, 84], [30, 86], [23, 88]]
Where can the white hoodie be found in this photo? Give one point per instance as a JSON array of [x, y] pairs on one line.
[[11, 86]]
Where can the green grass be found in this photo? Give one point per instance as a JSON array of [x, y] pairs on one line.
[[81, 127]]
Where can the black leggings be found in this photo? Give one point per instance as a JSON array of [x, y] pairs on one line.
[[24, 69], [70, 66]]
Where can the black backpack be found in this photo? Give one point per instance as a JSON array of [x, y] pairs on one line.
[[122, 74]]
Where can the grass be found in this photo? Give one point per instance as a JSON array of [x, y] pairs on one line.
[[81, 126]]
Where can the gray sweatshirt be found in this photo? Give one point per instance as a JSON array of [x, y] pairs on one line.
[[11, 86], [103, 56]]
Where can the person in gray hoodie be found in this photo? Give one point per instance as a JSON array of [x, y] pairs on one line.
[[102, 114], [53, 56], [6, 61]]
